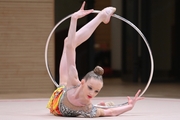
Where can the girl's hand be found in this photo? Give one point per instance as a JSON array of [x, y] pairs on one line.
[[102, 103], [81, 13], [132, 101]]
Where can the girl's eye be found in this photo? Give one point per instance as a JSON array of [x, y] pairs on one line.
[[90, 88], [96, 91]]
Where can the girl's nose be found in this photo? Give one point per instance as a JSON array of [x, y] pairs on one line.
[[91, 93]]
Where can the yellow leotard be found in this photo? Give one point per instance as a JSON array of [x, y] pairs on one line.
[[53, 103]]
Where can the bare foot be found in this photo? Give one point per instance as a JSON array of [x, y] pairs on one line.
[[107, 13]]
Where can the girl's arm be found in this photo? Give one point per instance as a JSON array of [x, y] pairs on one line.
[[120, 110], [70, 46]]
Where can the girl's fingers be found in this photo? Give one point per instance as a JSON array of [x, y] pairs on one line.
[[128, 98], [89, 11], [137, 94], [86, 12], [140, 98], [102, 103], [82, 7]]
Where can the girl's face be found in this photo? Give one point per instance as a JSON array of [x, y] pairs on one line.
[[91, 88]]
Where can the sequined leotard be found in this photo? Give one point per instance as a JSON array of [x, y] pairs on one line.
[[60, 105]]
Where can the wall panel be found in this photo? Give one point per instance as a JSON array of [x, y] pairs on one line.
[[24, 28]]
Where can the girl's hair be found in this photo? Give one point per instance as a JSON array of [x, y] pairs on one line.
[[96, 74]]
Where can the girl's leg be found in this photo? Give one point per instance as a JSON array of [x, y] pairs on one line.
[[86, 31], [81, 36]]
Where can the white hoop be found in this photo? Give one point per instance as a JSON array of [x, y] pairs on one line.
[[115, 16]]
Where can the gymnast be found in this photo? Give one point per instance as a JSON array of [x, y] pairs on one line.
[[73, 97]]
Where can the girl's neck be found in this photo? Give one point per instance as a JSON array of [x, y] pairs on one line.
[[80, 97]]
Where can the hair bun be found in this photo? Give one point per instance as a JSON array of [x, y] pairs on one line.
[[98, 70]]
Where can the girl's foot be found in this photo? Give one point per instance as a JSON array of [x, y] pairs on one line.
[[107, 13]]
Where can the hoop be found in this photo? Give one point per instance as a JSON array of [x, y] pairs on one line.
[[120, 18]]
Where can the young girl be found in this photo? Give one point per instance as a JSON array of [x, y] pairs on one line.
[[73, 97]]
